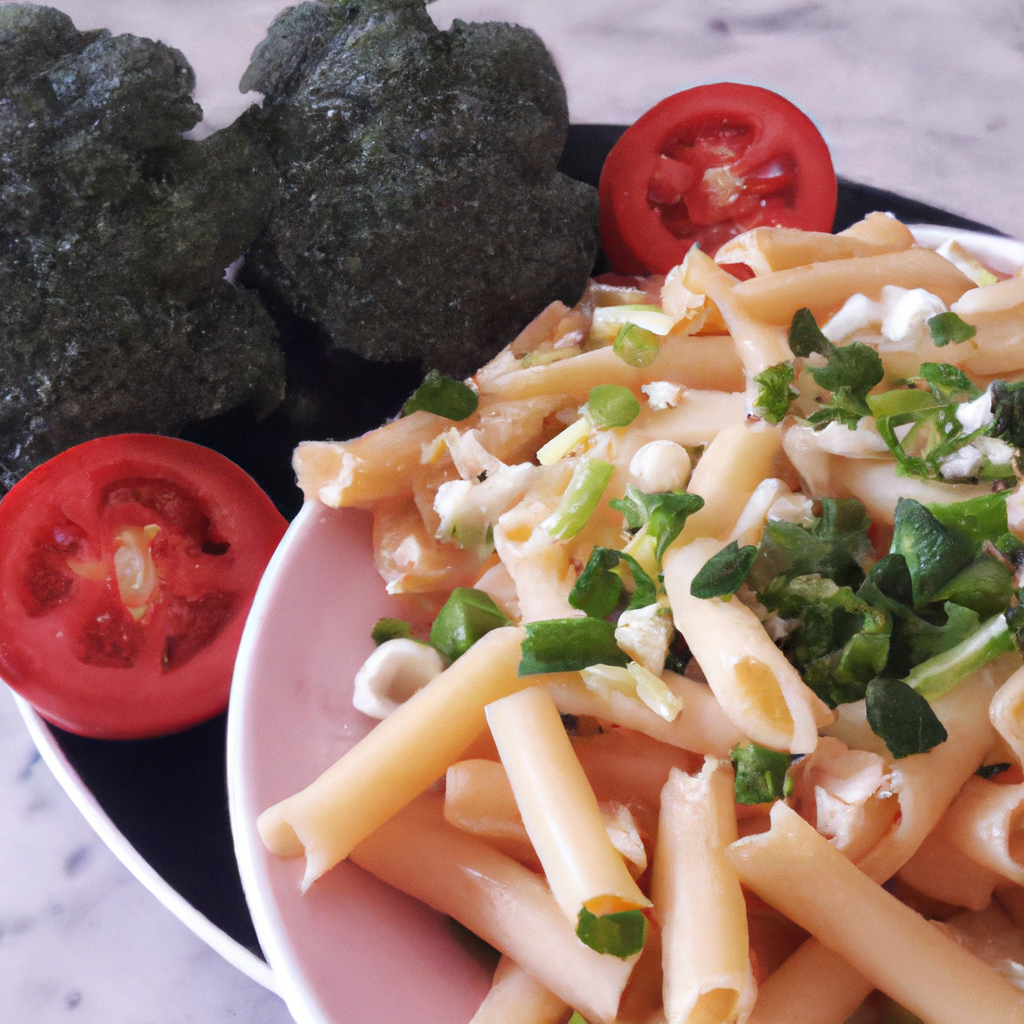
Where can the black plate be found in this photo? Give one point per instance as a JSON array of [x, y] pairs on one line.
[[168, 796]]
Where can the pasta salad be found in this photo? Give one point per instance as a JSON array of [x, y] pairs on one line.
[[710, 693]]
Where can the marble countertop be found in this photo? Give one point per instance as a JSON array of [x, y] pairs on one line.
[[920, 97]]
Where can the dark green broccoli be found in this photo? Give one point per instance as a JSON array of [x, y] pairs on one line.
[[115, 233], [420, 213]]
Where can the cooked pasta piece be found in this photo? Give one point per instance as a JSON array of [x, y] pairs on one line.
[[403, 755], [698, 900], [803, 875], [503, 902], [559, 809], [760, 691], [515, 998]]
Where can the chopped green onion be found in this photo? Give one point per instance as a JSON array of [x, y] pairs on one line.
[[664, 514], [760, 774], [390, 629], [588, 482], [937, 675], [723, 574], [611, 405], [636, 346], [946, 381], [569, 645], [948, 327], [443, 396], [465, 617], [775, 392], [899, 401], [621, 934], [902, 718], [561, 444], [598, 589]]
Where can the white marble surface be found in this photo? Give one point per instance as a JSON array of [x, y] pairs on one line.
[[918, 97]]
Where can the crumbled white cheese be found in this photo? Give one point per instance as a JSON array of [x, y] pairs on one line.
[[663, 394], [468, 510], [792, 508], [964, 463], [392, 674], [857, 313], [660, 465], [863, 442], [645, 635], [905, 324], [976, 414]]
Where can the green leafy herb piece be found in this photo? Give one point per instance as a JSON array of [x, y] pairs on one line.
[[576, 1018], [990, 771], [948, 382], [636, 346], [900, 401], [443, 396], [852, 371], [760, 774], [934, 553], [390, 629], [611, 405], [1008, 412], [598, 589], [589, 479], [984, 585], [463, 619], [725, 572], [664, 513], [568, 645], [775, 392], [948, 327], [937, 675], [902, 718], [835, 546], [621, 934], [805, 337], [976, 519]]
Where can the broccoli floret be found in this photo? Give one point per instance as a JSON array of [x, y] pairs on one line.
[[115, 233], [420, 214]]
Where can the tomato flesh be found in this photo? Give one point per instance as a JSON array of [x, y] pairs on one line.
[[127, 566], [706, 165]]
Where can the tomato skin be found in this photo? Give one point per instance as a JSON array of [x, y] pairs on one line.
[[69, 642], [705, 165]]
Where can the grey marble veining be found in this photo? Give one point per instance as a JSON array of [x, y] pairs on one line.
[[923, 98]]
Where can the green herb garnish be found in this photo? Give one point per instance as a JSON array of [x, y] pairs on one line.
[[611, 405], [463, 619], [636, 346], [443, 396], [902, 718], [568, 645], [990, 771], [775, 392], [948, 327], [760, 774], [724, 573], [390, 629], [598, 589], [589, 479], [664, 513], [621, 934]]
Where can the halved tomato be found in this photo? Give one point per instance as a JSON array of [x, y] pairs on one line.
[[705, 165], [127, 567]]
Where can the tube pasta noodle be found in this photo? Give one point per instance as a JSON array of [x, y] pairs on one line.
[[800, 873], [615, 788], [757, 687]]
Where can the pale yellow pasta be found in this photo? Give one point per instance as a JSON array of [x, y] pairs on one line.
[[813, 986], [403, 755], [881, 229], [695, 362], [751, 523], [824, 287], [732, 466], [558, 807], [698, 901], [698, 418], [503, 902], [1006, 712], [516, 998], [986, 822], [702, 726], [759, 690], [800, 873], [765, 250]]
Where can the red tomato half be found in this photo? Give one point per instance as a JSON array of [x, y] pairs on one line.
[[705, 165], [127, 567]]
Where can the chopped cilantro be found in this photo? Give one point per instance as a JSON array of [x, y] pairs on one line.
[[948, 382], [902, 718], [948, 327], [598, 589], [805, 337], [621, 934], [443, 396], [568, 645], [724, 573], [664, 514], [760, 774], [775, 392]]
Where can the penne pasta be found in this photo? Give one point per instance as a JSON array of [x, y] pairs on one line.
[[515, 998]]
